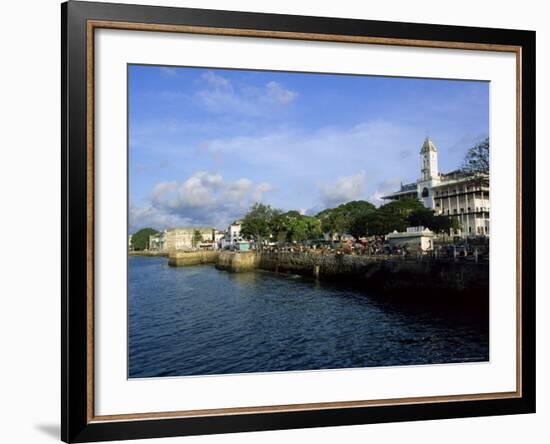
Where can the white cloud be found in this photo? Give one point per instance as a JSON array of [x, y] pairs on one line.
[[261, 189], [373, 142], [319, 157], [314, 169], [143, 217], [167, 71], [217, 81], [343, 190], [220, 96], [202, 199], [277, 93], [383, 188]]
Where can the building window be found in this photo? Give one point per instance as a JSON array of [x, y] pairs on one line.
[[425, 192]]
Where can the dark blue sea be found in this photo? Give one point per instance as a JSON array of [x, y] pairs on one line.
[[202, 321]]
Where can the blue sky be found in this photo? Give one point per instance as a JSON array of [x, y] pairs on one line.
[[205, 144]]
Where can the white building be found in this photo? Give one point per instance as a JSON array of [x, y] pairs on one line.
[[232, 235], [218, 238], [413, 238], [185, 238], [464, 196], [157, 242]]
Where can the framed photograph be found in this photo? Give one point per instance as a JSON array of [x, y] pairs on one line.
[[275, 221]]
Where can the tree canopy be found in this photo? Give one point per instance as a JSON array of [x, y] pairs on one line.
[[140, 239], [398, 215], [197, 238], [342, 219], [477, 158], [258, 222], [437, 223], [389, 217], [295, 227]]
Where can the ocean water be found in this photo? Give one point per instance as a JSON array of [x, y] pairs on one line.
[[202, 321]]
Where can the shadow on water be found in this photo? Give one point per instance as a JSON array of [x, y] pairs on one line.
[[446, 310], [468, 308]]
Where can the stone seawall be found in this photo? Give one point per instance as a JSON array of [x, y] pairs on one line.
[[186, 258], [388, 275], [381, 274], [238, 262], [148, 253]]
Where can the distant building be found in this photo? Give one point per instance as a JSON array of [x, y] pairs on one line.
[[218, 238], [232, 235], [130, 247], [157, 242], [183, 238], [460, 195], [336, 237]]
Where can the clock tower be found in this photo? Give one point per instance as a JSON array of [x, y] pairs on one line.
[[429, 173], [428, 157]]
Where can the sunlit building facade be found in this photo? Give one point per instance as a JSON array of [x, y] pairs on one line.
[[460, 195]]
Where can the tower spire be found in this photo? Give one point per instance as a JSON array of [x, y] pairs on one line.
[[428, 145], [428, 158]]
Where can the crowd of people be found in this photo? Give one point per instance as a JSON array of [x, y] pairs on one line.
[[378, 247]]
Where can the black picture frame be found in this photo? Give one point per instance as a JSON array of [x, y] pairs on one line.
[[76, 423]]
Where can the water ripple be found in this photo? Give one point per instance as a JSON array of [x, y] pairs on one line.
[[198, 321]]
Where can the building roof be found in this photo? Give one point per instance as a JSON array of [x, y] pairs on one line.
[[428, 145], [456, 178], [413, 193], [409, 188]]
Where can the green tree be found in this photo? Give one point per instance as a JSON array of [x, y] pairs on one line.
[[197, 238], [423, 217], [313, 227], [258, 223], [343, 218], [437, 223], [140, 239], [393, 216], [477, 158], [445, 224], [293, 226], [359, 225]]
